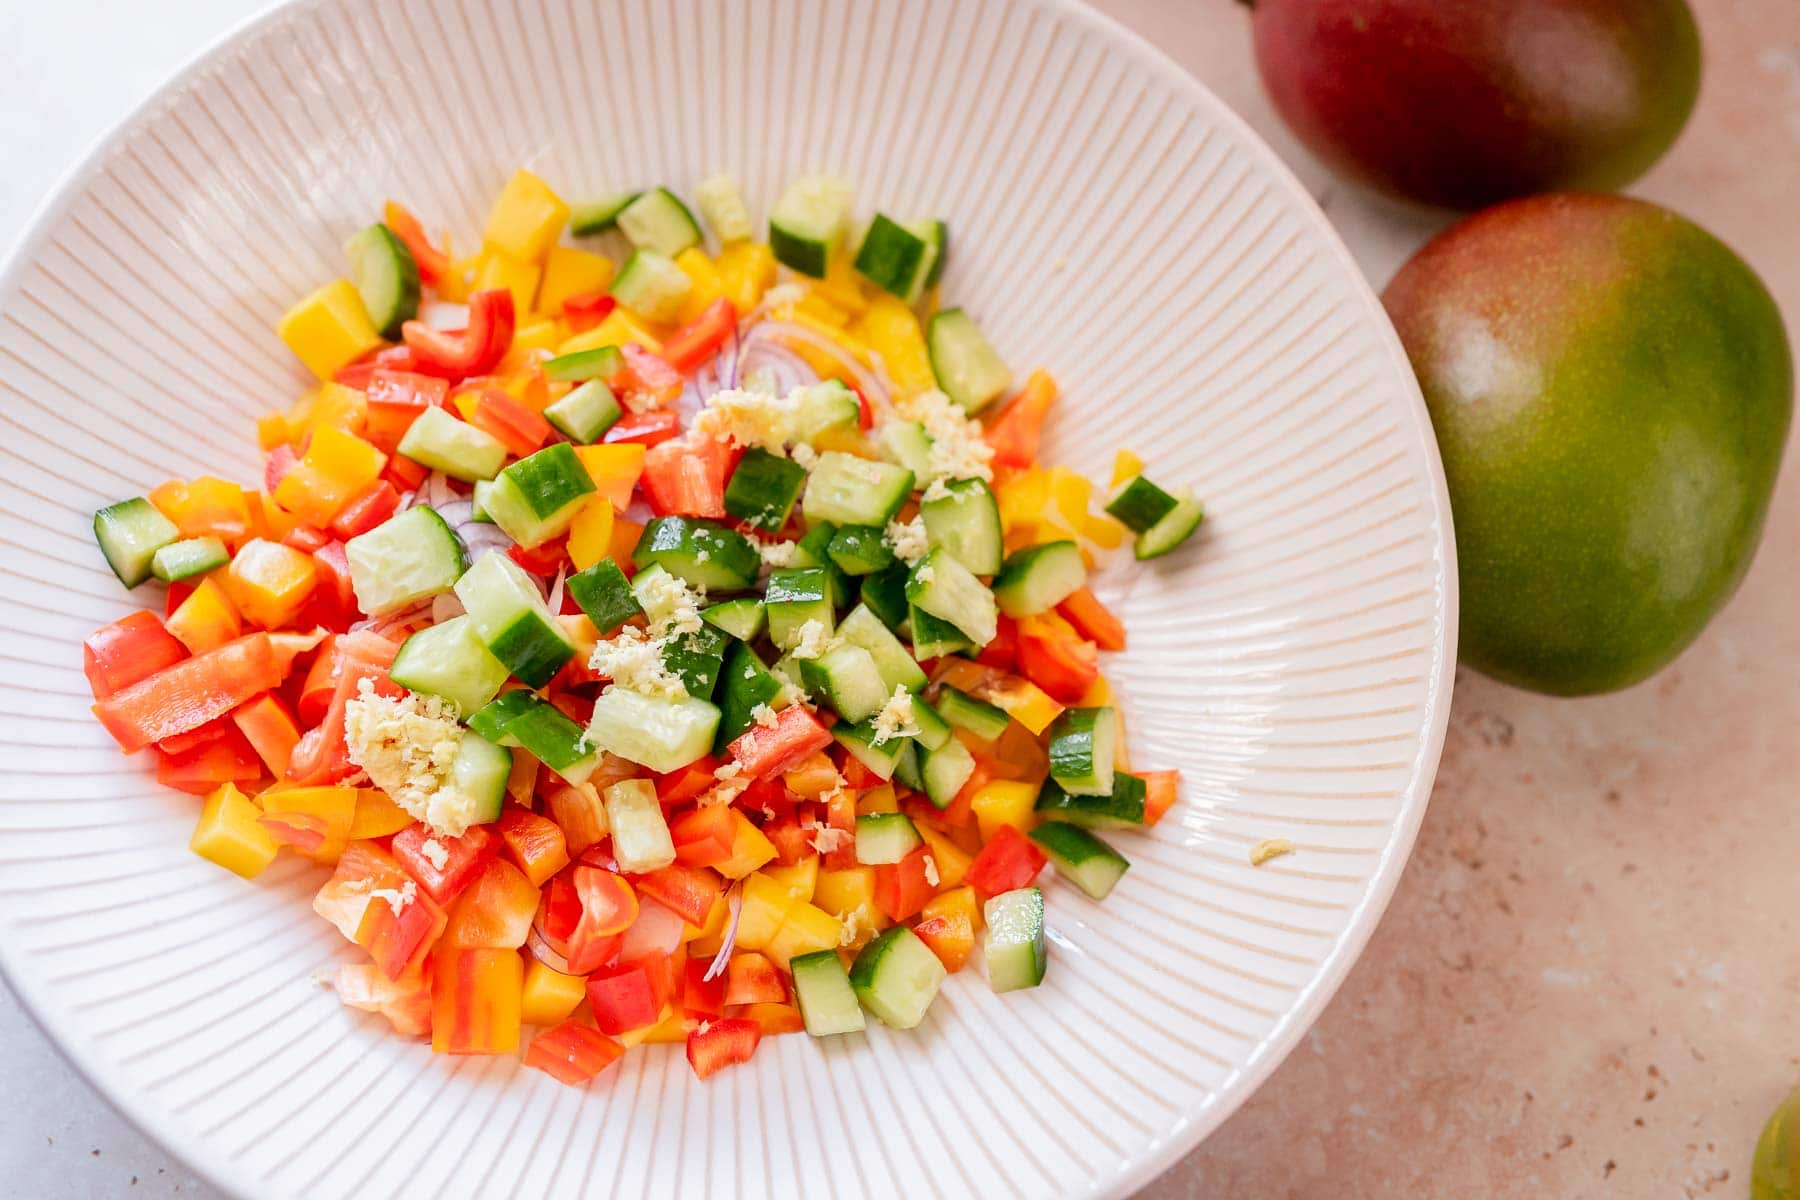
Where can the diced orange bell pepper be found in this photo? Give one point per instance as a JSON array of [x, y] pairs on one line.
[[1160, 790], [521, 430], [134, 647], [206, 507], [590, 534], [749, 848], [334, 808], [188, 694], [573, 1053], [1093, 620], [615, 468], [773, 1019], [268, 582], [550, 996], [948, 923], [399, 930], [1056, 658], [475, 1001], [271, 730], [202, 768], [207, 618], [336, 466], [536, 844], [1014, 434], [494, 911], [377, 816]]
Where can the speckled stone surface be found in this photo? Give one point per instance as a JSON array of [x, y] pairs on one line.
[[1585, 984]]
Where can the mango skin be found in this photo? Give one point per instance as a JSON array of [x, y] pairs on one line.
[[1464, 103], [1611, 389]]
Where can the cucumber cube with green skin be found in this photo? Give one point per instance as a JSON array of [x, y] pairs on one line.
[[742, 618], [938, 234], [814, 550], [897, 976], [1138, 504], [477, 500], [906, 767], [1180, 524], [744, 686], [1037, 578], [701, 553], [440, 442], [822, 989], [883, 839], [514, 622], [696, 658], [934, 637], [409, 557], [907, 443], [559, 743], [536, 498], [491, 720], [898, 670], [984, 720], [944, 770], [1014, 942], [188, 557], [793, 597], [967, 368], [130, 533], [652, 285], [934, 732], [1082, 744], [480, 770], [808, 223], [386, 277], [585, 413], [1122, 808], [946, 589], [825, 406], [965, 522], [661, 734], [884, 594], [449, 660], [659, 221], [847, 490], [599, 214], [763, 488], [602, 362], [860, 549], [894, 258], [1080, 857], [847, 677], [605, 595], [858, 741]]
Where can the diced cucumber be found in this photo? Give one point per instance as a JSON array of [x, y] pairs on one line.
[[651, 285], [967, 369], [898, 670], [847, 490], [885, 838], [480, 771], [514, 622], [188, 557], [449, 660], [980, 718], [1138, 504], [786, 670], [585, 413], [1081, 747], [559, 743], [1014, 942], [897, 976], [858, 741], [793, 597], [1080, 857], [1037, 578], [491, 720], [653, 732], [1174, 529], [861, 549], [723, 208], [386, 278], [409, 557], [696, 658], [659, 601], [130, 533], [966, 523], [1122, 808], [906, 767], [825, 406], [639, 831], [884, 594], [536, 498], [745, 685], [945, 770], [605, 595], [934, 731], [847, 677], [656, 220], [944, 588], [938, 234], [907, 443], [602, 362], [703, 553], [822, 989], [599, 214], [742, 618], [934, 637], [814, 550], [808, 223], [480, 494], [440, 442], [763, 488], [895, 258]]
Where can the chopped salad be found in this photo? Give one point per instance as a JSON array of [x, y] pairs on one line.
[[691, 651]]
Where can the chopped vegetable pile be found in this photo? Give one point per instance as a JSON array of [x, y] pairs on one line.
[[692, 652]]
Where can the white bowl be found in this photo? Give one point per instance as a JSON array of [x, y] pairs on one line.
[[1111, 220]]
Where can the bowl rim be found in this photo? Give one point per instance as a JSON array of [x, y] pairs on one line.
[[1363, 917]]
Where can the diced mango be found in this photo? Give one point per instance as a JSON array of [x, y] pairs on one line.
[[840, 892], [746, 271], [549, 996], [527, 218], [268, 582], [271, 430], [501, 270], [590, 534], [571, 271], [764, 906], [228, 833], [637, 1037], [1003, 802], [952, 861], [807, 928], [329, 328], [749, 848], [799, 879], [672, 1030]]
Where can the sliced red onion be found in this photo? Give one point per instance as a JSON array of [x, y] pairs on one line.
[[726, 943], [442, 314], [540, 949], [478, 538], [638, 511], [555, 598], [657, 930], [456, 513], [437, 490], [793, 334], [445, 608]]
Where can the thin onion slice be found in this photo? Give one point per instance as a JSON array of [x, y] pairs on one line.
[[794, 334], [726, 943]]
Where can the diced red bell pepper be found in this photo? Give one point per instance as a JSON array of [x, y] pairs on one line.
[[433, 264], [396, 398], [534, 842], [700, 996], [865, 412], [587, 954], [688, 892], [1001, 653], [649, 428], [654, 381], [270, 729], [1015, 433], [377, 501], [587, 310], [1010, 860], [359, 373], [856, 776], [704, 836], [495, 910], [187, 694], [1056, 658], [715, 1045], [840, 814], [463, 857], [687, 476], [792, 842], [333, 600], [560, 911], [608, 902], [752, 978], [627, 996], [684, 783], [404, 473], [178, 591], [305, 537], [320, 682], [765, 750], [183, 742], [1160, 789], [128, 651], [701, 338], [398, 935], [227, 758], [902, 888], [276, 464], [323, 754], [572, 1053], [541, 560], [517, 428], [476, 349], [1093, 620]]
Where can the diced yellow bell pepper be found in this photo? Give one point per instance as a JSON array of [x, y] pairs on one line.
[[843, 286], [571, 271], [459, 281], [1023, 498], [376, 816], [952, 861], [1026, 703], [799, 879], [533, 343], [277, 522], [590, 534], [708, 284], [331, 404], [1126, 465], [825, 364], [818, 306], [527, 219], [764, 906], [877, 800], [229, 835], [501, 270], [847, 439], [892, 331], [1098, 695], [618, 327], [336, 806], [329, 328], [614, 468], [749, 848], [268, 582], [806, 928], [336, 466], [466, 404], [1003, 802], [842, 892], [637, 1037], [1073, 495], [746, 271], [672, 1030], [207, 618], [549, 996]]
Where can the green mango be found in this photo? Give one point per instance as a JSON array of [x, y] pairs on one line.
[[1611, 389]]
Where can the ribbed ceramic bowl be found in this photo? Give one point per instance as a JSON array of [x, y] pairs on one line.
[[1111, 221]]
